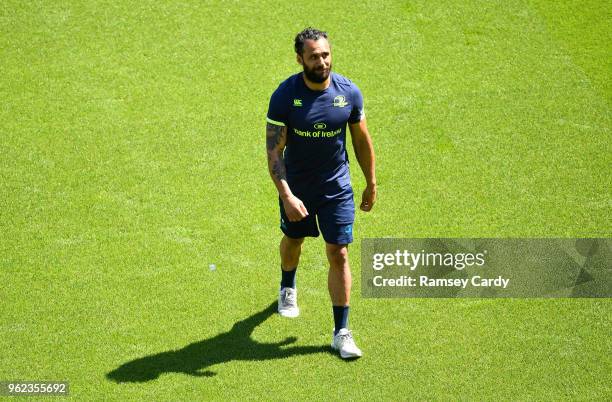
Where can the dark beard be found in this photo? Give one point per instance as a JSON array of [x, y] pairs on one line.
[[315, 76]]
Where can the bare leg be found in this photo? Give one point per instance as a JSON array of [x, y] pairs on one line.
[[339, 276], [290, 250]]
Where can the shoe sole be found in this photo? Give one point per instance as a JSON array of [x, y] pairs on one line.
[[347, 356], [289, 314]]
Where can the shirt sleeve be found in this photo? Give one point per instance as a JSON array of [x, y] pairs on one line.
[[278, 110], [357, 113]]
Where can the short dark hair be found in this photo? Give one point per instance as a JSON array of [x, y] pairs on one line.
[[308, 33]]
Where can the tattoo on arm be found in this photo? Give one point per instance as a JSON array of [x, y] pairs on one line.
[[275, 136], [278, 169]]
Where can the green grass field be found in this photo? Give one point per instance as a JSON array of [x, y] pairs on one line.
[[133, 156]]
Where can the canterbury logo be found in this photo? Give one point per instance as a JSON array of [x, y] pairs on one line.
[[297, 102], [340, 101]]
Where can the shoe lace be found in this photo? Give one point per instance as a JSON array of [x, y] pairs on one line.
[[346, 337], [290, 298]]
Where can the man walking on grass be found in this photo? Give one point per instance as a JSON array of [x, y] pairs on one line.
[[308, 162]]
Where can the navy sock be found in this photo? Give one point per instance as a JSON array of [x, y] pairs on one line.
[[288, 278], [340, 317]]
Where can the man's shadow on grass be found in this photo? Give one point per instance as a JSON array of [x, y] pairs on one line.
[[194, 358]]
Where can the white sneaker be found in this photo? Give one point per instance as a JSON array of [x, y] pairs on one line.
[[343, 342], [287, 303]]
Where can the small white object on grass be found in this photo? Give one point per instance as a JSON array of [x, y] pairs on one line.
[[212, 267]]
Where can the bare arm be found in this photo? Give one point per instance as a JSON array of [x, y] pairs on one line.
[[276, 139], [364, 151]]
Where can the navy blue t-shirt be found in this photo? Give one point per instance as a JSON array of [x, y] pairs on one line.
[[315, 155]]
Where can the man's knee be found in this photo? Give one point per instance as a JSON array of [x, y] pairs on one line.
[[291, 242], [337, 254]]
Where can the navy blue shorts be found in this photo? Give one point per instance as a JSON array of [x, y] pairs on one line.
[[334, 216]]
